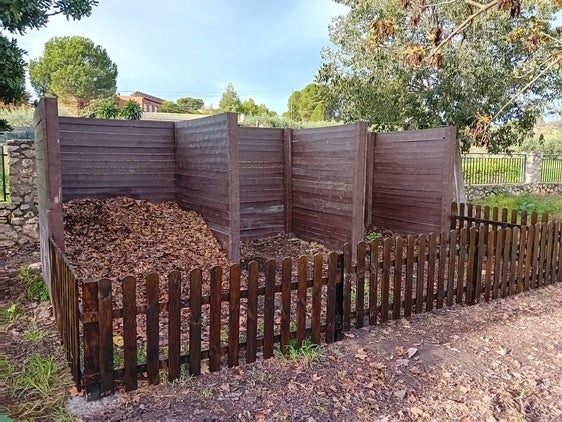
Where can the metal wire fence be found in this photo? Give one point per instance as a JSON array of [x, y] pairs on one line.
[[487, 169]]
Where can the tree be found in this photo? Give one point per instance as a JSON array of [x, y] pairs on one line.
[[313, 103], [75, 70], [408, 65], [190, 103], [230, 100], [16, 17], [131, 110], [182, 105]]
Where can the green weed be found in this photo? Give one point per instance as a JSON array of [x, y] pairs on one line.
[[307, 354], [8, 314], [33, 335], [36, 288], [373, 235], [547, 204]]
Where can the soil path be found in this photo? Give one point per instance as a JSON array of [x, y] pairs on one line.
[[493, 361]]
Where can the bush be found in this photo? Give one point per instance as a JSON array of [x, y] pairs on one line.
[[131, 110], [17, 117]]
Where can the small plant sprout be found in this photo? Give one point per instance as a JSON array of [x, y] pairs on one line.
[[307, 354]]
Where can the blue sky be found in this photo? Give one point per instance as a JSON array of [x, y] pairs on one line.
[[180, 48]]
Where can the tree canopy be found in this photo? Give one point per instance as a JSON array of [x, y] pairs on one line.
[[75, 70], [16, 17], [182, 105], [230, 101], [313, 103], [487, 68]]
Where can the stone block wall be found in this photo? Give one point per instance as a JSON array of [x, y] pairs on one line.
[[19, 222]]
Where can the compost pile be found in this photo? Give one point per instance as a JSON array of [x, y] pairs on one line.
[[122, 236]]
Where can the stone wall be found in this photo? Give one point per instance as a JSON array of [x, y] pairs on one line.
[[19, 222], [483, 191]]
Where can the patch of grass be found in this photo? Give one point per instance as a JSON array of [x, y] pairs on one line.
[[33, 334], [35, 287], [39, 389], [206, 392], [8, 314], [18, 116], [307, 354], [549, 204]]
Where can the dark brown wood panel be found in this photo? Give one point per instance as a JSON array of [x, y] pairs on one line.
[[328, 179], [262, 175], [413, 180], [104, 158]]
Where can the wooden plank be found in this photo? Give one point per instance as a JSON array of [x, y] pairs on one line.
[[317, 297], [480, 253], [347, 275], [195, 289], [358, 166], [505, 263], [373, 281], [302, 278], [470, 271], [360, 286], [152, 329], [535, 269], [234, 316], [331, 297], [452, 261], [397, 288], [252, 313], [385, 280], [106, 336], [432, 253], [269, 309], [129, 284], [91, 379], [489, 263], [548, 258], [461, 273], [174, 324], [443, 240], [559, 257], [369, 174], [498, 258], [420, 274], [286, 278], [215, 325], [512, 283], [527, 270], [542, 253]]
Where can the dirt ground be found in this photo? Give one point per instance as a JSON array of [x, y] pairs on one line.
[[492, 361]]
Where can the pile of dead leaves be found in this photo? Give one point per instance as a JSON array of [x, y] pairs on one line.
[[122, 236]]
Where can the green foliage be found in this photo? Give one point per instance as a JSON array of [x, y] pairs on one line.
[[373, 235], [171, 107], [182, 105], [75, 70], [307, 354], [382, 69], [230, 100], [16, 17], [541, 204], [131, 110], [33, 334], [8, 314], [5, 126], [35, 286], [548, 144], [314, 103], [18, 116], [105, 108], [12, 71]]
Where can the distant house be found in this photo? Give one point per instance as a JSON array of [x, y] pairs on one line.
[[148, 102]]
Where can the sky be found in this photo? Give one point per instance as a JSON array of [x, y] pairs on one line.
[[187, 48]]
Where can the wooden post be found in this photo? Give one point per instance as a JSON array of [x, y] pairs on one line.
[[288, 164], [369, 174], [49, 185], [233, 160], [359, 191]]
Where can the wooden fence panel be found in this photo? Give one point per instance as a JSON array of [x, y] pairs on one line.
[[152, 329], [252, 315], [302, 277], [420, 280], [105, 336], [347, 280], [286, 278], [317, 298], [269, 309], [195, 290], [373, 281], [397, 291], [360, 285], [215, 323], [234, 316], [91, 379]]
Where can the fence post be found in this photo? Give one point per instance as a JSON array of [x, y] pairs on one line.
[[339, 299], [533, 167]]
